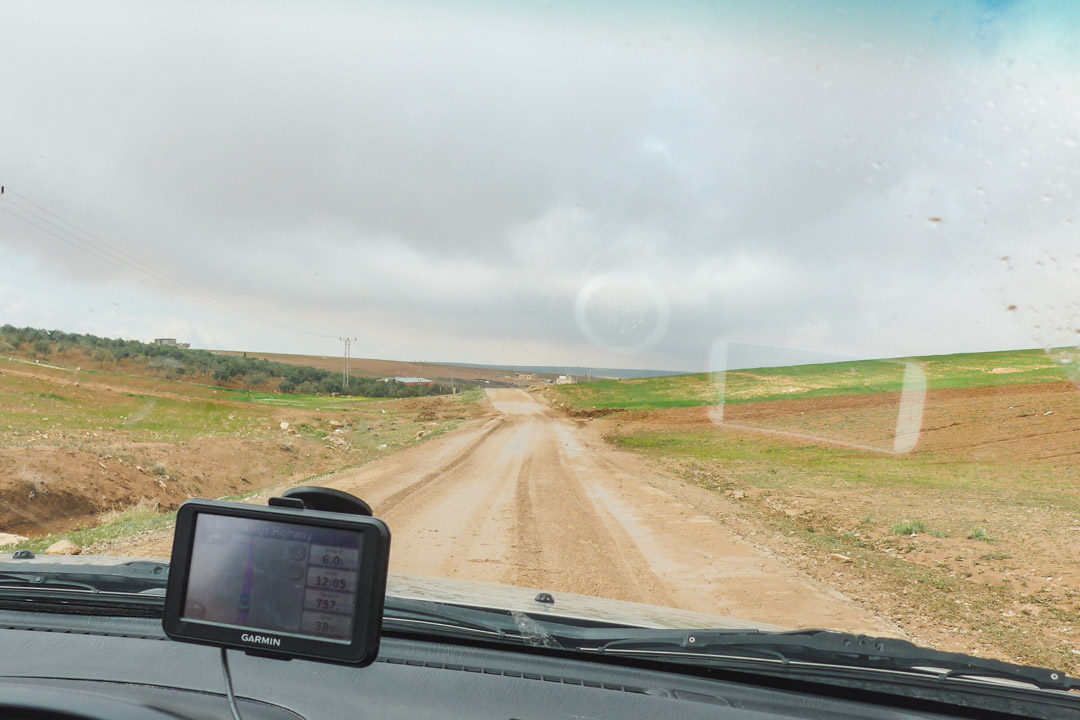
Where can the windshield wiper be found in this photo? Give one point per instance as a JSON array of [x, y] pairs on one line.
[[424, 616], [35, 580], [135, 577], [819, 648], [816, 651]]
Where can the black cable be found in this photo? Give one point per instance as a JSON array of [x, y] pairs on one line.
[[228, 684]]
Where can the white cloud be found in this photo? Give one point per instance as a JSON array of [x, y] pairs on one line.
[[444, 181]]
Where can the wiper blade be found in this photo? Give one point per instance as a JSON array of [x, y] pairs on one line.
[[35, 580], [489, 623], [89, 575], [827, 647], [404, 614]]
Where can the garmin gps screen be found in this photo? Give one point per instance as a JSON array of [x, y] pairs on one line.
[[275, 576]]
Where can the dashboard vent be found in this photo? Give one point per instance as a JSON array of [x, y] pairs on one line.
[[543, 677]]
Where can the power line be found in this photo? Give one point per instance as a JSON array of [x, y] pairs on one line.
[[109, 248], [116, 257], [188, 296], [113, 256]]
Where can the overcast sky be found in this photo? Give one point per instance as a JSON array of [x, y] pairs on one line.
[[541, 184]]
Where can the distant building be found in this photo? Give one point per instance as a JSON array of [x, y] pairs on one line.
[[171, 342], [410, 380], [526, 376], [565, 380]]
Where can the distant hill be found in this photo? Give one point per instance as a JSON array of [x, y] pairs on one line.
[[173, 360], [375, 368], [471, 373], [579, 371]]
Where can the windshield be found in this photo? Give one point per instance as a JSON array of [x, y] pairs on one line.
[[760, 315]]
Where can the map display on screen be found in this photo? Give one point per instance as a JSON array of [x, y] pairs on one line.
[[275, 576]]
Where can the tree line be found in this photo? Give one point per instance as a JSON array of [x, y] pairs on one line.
[[173, 362]]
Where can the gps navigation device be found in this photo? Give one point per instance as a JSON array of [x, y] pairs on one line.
[[280, 581]]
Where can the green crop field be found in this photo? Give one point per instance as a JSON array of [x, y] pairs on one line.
[[967, 370], [33, 405]]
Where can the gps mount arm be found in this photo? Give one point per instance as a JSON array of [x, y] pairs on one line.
[[322, 499]]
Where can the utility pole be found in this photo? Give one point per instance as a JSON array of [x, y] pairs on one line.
[[345, 372]]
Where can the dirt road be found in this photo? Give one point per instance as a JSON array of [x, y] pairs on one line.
[[531, 499]]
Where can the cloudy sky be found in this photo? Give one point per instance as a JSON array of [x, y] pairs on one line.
[[542, 183]]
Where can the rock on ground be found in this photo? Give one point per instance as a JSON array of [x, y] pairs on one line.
[[63, 547]]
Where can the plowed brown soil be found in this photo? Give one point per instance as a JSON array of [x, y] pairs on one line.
[[1029, 423]]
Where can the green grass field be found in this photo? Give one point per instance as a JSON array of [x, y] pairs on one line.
[[29, 405], [305, 402], [967, 370], [761, 462], [175, 410]]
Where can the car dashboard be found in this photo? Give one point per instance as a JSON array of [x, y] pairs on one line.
[[79, 665]]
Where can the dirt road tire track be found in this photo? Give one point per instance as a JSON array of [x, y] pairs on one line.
[[408, 491]]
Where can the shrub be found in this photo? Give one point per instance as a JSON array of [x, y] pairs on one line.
[[256, 378], [909, 527]]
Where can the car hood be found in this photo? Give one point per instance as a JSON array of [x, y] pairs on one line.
[[459, 592], [507, 597]]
